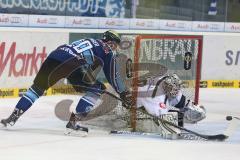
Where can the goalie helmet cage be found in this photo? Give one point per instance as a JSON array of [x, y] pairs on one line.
[[171, 51]]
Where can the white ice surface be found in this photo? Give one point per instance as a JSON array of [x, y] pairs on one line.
[[38, 135]]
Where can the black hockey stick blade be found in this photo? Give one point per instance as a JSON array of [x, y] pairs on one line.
[[181, 136], [218, 137]]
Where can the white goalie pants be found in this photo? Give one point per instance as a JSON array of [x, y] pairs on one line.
[[157, 106]]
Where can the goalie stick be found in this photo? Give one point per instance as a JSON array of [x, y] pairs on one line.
[[218, 137], [183, 136]]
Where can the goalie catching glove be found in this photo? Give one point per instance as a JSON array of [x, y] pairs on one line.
[[193, 113]]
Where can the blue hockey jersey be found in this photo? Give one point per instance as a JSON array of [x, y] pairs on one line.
[[93, 51]]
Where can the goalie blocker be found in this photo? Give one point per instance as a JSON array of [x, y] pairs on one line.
[[162, 97]]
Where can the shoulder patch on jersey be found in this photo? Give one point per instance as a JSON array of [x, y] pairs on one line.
[[95, 43]]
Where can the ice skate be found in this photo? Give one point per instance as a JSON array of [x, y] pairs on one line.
[[74, 128], [12, 119], [2, 124]]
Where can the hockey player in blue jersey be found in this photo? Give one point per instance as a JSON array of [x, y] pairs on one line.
[[76, 62]]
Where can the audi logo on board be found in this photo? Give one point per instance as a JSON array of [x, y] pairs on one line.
[[15, 20]]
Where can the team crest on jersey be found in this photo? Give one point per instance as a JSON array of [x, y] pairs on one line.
[[162, 105]]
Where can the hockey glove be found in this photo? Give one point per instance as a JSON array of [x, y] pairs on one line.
[[127, 98], [193, 113]]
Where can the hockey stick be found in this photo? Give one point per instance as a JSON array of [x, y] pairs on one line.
[[131, 133], [183, 136], [219, 137]]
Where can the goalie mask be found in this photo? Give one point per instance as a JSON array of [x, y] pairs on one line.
[[171, 85]]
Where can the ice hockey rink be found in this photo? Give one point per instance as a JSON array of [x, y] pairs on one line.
[[39, 135]]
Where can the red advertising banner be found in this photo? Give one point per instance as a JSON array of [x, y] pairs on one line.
[[22, 53]]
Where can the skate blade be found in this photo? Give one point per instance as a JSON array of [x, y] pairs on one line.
[[78, 133], [2, 126]]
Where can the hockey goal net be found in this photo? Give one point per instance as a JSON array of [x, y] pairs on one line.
[[179, 54], [147, 53]]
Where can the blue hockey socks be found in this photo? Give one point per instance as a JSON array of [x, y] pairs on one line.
[[87, 102], [23, 105], [28, 98]]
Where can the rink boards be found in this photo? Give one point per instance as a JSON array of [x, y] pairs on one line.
[[22, 51]]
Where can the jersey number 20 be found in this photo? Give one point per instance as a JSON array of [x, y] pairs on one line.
[[83, 46]]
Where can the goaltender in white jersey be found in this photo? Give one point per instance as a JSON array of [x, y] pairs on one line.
[[159, 95]]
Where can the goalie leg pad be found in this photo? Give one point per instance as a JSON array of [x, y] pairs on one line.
[[154, 125]]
